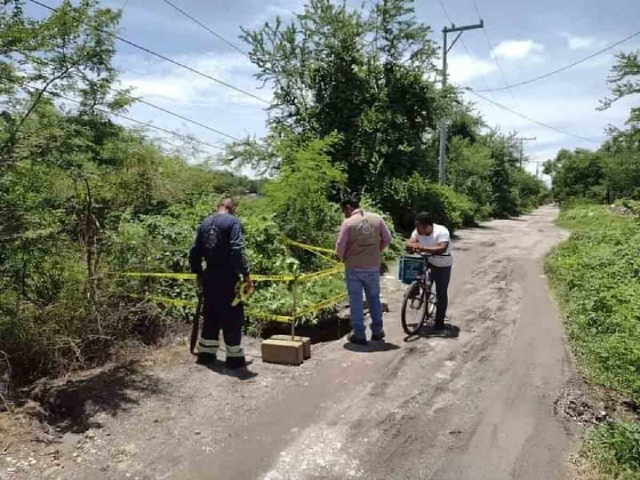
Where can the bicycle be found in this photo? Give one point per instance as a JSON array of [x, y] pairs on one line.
[[420, 302]]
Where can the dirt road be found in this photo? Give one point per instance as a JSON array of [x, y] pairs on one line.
[[474, 404]]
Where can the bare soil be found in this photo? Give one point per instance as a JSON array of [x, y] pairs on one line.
[[488, 399]]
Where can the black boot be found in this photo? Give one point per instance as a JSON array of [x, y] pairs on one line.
[[205, 358], [234, 363]]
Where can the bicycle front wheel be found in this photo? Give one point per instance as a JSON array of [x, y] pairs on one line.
[[414, 308]]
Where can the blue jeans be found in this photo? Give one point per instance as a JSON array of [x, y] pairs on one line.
[[369, 281]]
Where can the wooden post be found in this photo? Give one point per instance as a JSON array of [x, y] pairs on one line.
[[294, 290]]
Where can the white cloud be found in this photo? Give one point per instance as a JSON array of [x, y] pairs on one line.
[[285, 9], [463, 68], [517, 49], [579, 116], [577, 42], [155, 78]]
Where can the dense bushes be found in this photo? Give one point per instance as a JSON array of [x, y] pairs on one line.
[[597, 277], [600, 177], [408, 197]]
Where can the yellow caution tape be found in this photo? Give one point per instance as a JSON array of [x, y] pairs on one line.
[[272, 278], [322, 273], [172, 276], [316, 250], [255, 278], [309, 247], [268, 316], [176, 302], [317, 307], [192, 276], [258, 278]]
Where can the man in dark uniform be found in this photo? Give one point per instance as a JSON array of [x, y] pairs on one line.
[[219, 242]]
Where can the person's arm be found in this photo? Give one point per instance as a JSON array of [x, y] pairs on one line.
[[195, 254], [341, 244], [238, 254], [437, 249], [443, 238], [413, 243], [385, 236]]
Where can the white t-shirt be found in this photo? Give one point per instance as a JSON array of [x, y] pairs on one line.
[[440, 234]]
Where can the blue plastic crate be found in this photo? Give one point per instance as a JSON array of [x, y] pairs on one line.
[[410, 266]]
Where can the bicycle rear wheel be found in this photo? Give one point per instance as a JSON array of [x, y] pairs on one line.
[[414, 308]]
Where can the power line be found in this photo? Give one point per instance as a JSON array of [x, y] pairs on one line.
[[198, 22], [464, 45], [521, 115], [187, 119], [566, 67], [125, 117], [491, 52], [446, 12], [181, 117], [167, 59]]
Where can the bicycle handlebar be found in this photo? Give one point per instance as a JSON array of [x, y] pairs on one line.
[[424, 254]]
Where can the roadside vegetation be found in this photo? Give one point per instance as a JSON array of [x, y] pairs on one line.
[[596, 276], [84, 198]]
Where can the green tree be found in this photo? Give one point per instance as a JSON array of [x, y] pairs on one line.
[[579, 174], [361, 73], [68, 53], [469, 172]]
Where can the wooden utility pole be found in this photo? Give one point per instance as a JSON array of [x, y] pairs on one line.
[[522, 140], [442, 161]]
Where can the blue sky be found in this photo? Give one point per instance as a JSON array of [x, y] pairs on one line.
[[529, 39]]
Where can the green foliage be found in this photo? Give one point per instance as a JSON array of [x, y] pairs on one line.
[[531, 192], [595, 274], [614, 450], [599, 177], [299, 195], [625, 80], [596, 278], [470, 167], [67, 53], [359, 72], [415, 195], [579, 174]]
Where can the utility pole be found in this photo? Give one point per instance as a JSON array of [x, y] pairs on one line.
[[522, 140], [442, 161]]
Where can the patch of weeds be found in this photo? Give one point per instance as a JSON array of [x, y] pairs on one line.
[[613, 450]]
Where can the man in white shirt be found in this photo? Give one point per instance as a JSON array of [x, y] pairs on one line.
[[433, 239]]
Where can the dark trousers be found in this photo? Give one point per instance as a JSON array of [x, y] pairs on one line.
[[219, 291], [441, 277]]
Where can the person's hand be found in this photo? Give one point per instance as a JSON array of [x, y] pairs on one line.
[[199, 282], [413, 246], [248, 284]]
